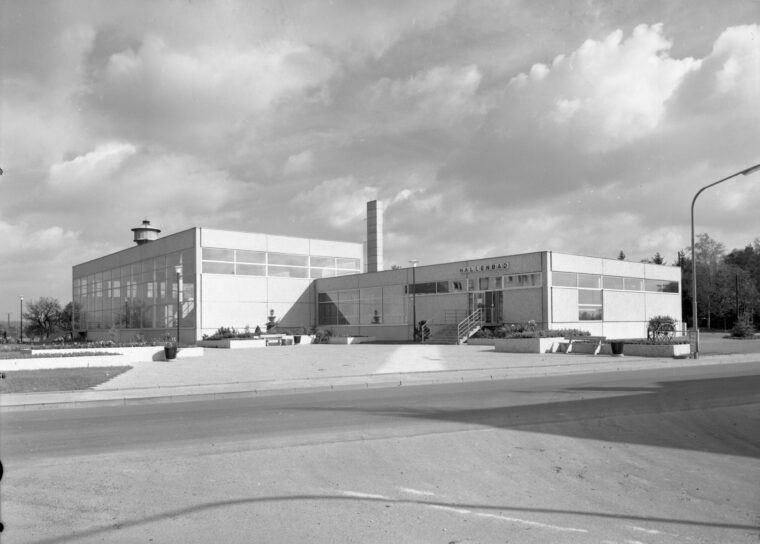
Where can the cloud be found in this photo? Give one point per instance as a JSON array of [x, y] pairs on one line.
[[94, 167], [339, 202], [165, 94], [438, 98], [607, 93], [300, 163]]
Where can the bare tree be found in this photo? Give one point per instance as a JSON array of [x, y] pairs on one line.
[[43, 317]]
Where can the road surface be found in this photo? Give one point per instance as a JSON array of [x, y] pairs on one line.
[[667, 455]]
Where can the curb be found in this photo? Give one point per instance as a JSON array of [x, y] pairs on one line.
[[309, 385]]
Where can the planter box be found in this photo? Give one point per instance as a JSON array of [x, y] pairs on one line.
[[481, 342], [658, 350], [528, 345], [234, 343], [350, 339]]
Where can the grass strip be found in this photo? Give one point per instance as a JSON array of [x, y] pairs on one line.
[[57, 379]]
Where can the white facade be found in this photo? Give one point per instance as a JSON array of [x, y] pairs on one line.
[[557, 291], [229, 279], [239, 279]]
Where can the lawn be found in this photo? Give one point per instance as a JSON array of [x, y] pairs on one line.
[[57, 379]]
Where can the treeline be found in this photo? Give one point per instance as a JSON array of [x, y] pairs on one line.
[[728, 283]]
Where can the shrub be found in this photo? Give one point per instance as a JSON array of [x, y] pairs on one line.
[[744, 327], [322, 336]]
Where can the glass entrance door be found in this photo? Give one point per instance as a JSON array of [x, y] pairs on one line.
[[491, 302]]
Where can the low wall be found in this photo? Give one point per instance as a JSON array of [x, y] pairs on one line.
[[527, 345], [351, 339], [481, 342], [126, 356]]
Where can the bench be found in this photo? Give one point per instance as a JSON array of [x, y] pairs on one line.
[[596, 340]]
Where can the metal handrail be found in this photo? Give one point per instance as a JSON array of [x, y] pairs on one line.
[[469, 322]]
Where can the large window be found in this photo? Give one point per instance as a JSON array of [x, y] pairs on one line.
[[136, 295], [367, 306]]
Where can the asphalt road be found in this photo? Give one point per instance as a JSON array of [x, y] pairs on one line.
[[647, 456]]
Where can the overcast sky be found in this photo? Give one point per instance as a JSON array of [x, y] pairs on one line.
[[486, 128]]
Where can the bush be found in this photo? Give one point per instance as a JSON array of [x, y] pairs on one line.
[[744, 327], [322, 336]]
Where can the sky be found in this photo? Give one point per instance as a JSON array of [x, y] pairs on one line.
[[486, 128]]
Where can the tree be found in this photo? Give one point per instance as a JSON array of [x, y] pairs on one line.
[[657, 259], [708, 259], [43, 317], [69, 315], [621, 256]]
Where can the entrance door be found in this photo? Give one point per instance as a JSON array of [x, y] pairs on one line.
[[491, 302]]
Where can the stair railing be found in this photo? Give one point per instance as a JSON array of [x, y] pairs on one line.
[[475, 319]]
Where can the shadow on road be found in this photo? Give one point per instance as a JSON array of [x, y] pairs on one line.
[[708, 414], [182, 512]]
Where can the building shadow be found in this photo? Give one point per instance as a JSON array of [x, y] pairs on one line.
[[711, 415], [179, 513]]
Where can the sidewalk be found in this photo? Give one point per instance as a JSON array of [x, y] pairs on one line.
[[222, 373]]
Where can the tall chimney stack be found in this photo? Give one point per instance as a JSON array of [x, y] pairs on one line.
[[374, 236]]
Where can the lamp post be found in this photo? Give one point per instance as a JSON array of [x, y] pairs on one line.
[[414, 262], [695, 321], [178, 270], [21, 320]]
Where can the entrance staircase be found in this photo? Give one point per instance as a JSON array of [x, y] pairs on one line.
[[458, 332]]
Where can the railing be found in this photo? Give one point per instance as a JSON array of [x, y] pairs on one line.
[[475, 319]]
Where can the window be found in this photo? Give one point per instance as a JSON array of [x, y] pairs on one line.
[[250, 269], [633, 284], [564, 279], [661, 286], [257, 257], [612, 282], [323, 262], [442, 287], [590, 299], [288, 259], [288, 272], [426, 288], [348, 263], [215, 254], [589, 281], [218, 268], [483, 284]]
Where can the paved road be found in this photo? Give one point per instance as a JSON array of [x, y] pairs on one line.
[[647, 456]]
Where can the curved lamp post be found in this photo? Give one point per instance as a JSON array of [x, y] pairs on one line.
[[695, 321], [414, 262]]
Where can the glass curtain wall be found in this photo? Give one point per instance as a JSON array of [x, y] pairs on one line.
[[140, 295]]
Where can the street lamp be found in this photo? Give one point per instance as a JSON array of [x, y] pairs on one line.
[[21, 320], [414, 262], [695, 321], [178, 270]]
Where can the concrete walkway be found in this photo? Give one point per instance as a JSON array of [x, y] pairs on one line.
[[222, 373]]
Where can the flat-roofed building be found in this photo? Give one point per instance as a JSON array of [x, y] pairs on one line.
[[228, 279], [241, 279]]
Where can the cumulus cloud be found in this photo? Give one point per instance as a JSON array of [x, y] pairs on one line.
[[166, 94], [339, 202], [439, 97], [606, 93]]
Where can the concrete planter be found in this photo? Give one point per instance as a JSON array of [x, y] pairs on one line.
[[658, 350], [350, 339], [528, 345], [234, 343], [481, 342]]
